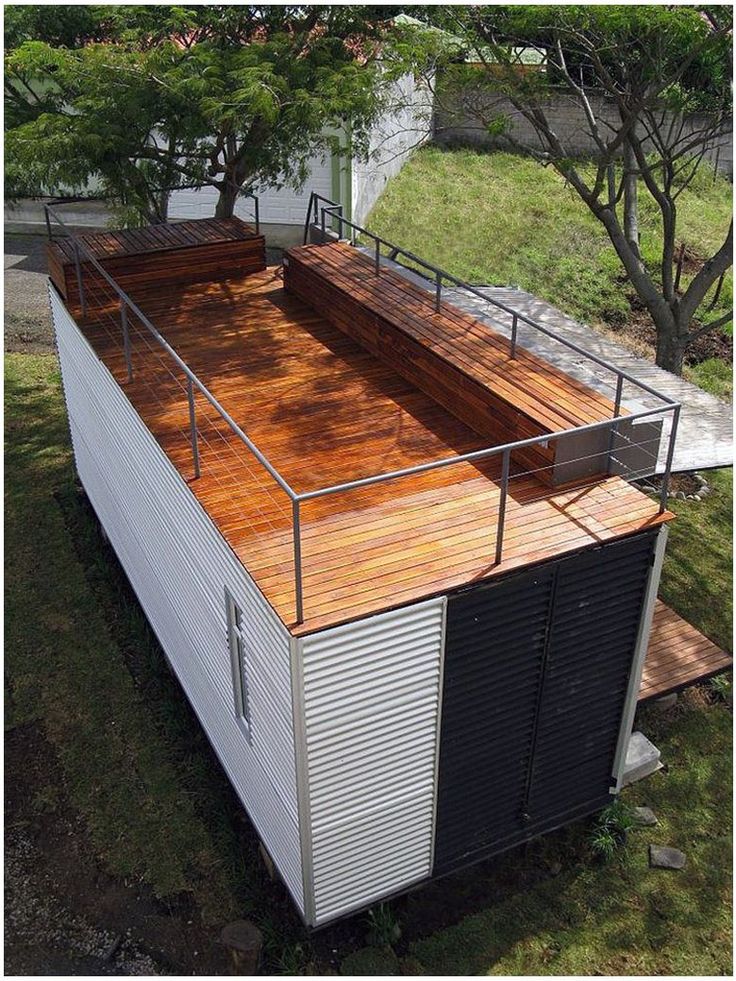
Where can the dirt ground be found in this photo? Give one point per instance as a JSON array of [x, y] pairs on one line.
[[63, 914]]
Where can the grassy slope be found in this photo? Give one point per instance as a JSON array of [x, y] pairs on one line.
[[82, 662], [500, 218]]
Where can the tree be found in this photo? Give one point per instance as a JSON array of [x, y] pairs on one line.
[[652, 85], [147, 99]]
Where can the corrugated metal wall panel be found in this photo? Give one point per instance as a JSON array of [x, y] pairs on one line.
[[179, 566], [371, 705], [537, 668]]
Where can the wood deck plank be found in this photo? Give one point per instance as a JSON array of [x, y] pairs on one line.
[[678, 655], [325, 411]]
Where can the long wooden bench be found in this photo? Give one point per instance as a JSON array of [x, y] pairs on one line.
[[460, 362], [204, 250]]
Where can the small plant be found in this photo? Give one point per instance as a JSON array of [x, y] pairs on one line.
[[611, 829], [720, 688], [384, 927]]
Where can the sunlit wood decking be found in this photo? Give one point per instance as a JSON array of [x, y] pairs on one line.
[[325, 411]]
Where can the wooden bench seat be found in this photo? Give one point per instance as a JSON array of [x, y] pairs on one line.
[[209, 249], [462, 363]]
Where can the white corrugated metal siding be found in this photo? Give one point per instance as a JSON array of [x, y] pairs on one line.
[[179, 566], [371, 703]]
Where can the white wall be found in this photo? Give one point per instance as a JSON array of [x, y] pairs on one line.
[[372, 693], [277, 207], [179, 566], [406, 125]]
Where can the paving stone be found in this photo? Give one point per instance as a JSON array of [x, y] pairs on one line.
[[645, 816], [664, 857]]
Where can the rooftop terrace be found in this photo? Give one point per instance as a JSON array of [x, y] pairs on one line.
[[323, 410]]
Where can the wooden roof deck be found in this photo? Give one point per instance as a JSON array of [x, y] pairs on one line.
[[325, 411]]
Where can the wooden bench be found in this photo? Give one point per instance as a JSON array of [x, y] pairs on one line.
[[460, 362], [209, 249]]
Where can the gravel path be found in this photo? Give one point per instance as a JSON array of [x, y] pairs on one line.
[[27, 321]]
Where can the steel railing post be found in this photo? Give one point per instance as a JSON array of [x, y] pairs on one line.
[[126, 339], [323, 226], [296, 526], [193, 426], [48, 221], [378, 256], [308, 221], [514, 330], [616, 414], [80, 284], [505, 467], [668, 465], [258, 214], [437, 290]]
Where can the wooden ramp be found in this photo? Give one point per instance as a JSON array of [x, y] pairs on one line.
[[678, 656]]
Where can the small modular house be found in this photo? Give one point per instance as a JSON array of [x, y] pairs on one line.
[[410, 616]]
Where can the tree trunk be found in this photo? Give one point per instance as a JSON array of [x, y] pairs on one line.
[[671, 344], [631, 202], [228, 196]]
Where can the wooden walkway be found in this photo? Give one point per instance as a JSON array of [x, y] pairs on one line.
[[678, 656], [325, 411]]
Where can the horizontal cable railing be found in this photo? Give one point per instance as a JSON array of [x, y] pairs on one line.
[[82, 254]]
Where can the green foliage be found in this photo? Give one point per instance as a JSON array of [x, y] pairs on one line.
[[611, 828], [500, 218], [227, 96], [721, 687], [384, 927]]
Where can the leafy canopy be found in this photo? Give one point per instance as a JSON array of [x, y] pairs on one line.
[[145, 99]]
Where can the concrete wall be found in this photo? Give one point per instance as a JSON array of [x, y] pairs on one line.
[[457, 122], [407, 123]]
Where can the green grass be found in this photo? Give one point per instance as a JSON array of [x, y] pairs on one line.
[[82, 663], [499, 218], [714, 376], [697, 579]]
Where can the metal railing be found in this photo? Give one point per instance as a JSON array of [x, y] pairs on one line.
[[298, 499]]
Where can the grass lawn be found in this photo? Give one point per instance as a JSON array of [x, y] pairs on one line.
[[498, 218]]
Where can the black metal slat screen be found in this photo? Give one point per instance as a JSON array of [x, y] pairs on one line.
[[536, 671]]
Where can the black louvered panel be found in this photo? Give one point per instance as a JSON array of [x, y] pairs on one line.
[[592, 638], [536, 674], [493, 660]]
